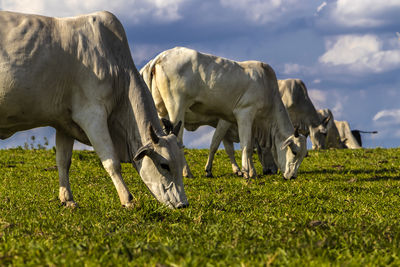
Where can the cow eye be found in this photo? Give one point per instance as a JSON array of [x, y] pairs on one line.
[[165, 166]]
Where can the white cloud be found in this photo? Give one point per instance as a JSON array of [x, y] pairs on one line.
[[388, 115], [201, 138], [265, 11], [25, 137], [365, 13], [142, 53], [332, 99], [360, 53], [291, 68], [135, 11], [321, 7], [318, 98], [317, 81]]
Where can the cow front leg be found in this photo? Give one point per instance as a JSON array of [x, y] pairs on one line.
[[267, 160], [64, 145], [94, 124], [245, 123], [218, 136], [229, 149]]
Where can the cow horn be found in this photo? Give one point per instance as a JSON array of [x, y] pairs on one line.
[[176, 129], [327, 119], [153, 135], [296, 132], [168, 127], [143, 151]]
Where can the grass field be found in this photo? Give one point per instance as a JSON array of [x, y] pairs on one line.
[[343, 209]]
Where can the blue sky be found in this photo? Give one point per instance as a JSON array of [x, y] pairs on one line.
[[346, 51]]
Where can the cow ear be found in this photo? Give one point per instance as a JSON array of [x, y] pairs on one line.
[[143, 151], [168, 127], [287, 143], [176, 129], [290, 143], [296, 132], [326, 120], [153, 135]]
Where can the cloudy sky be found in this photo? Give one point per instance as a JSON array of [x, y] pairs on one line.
[[346, 51]]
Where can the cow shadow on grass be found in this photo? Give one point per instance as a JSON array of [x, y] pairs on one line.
[[380, 178], [375, 175], [351, 171]]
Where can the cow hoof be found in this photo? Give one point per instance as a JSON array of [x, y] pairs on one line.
[[248, 176], [70, 204], [239, 173], [209, 175], [269, 172], [129, 205]]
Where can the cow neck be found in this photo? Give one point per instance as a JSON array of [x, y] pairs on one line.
[[143, 108], [314, 119]]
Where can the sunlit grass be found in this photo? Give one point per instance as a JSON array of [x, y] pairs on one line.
[[343, 209]]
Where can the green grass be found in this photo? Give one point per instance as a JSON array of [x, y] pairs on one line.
[[342, 210]]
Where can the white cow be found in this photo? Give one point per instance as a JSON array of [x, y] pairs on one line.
[[183, 80], [333, 139], [77, 75], [301, 111], [339, 133], [346, 137]]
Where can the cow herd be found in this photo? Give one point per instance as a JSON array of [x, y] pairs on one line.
[[77, 75]]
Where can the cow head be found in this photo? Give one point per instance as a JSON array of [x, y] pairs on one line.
[[161, 167], [291, 153], [318, 134]]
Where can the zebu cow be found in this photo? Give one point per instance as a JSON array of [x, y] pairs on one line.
[[183, 80], [357, 135], [333, 139], [346, 137], [350, 138], [302, 113], [77, 75], [339, 133]]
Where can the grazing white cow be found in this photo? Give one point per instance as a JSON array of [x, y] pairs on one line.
[[346, 137], [333, 139], [77, 75], [302, 113], [183, 80], [339, 133]]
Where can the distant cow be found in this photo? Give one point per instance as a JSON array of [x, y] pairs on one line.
[[340, 135], [77, 75], [301, 111], [357, 135], [183, 80], [333, 139]]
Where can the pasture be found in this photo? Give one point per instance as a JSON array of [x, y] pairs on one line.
[[343, 209]]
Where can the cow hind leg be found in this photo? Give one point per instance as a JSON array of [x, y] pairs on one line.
[[230, 151], [64, 145], [94, 124], [218, 136], [267, 162]]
